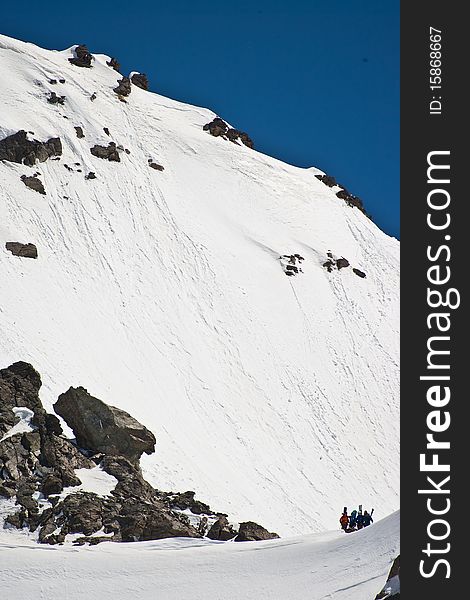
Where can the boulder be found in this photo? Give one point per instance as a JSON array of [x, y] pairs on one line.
[[359, 273], [216, 127], [51, 484], [34, 183], [99, 427], [342, 263], [221, 530], [90, 175], [106, 130], [114, 64], [55, 99], [139, 521], [79, 132], [252, 532], [18, 148], [109, 152], [155, 165], [140, 80], [23, 250], [124, 87], [82, 57]]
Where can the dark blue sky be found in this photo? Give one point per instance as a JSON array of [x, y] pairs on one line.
[[313, 82]]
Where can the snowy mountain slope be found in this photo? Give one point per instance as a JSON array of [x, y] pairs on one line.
[[275, 398], [315, 566]]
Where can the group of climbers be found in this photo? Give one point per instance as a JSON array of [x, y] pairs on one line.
[[356, 520]]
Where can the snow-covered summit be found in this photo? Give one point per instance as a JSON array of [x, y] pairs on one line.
[[163, 293]]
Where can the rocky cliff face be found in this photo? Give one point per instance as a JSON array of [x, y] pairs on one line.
[[39, 466]]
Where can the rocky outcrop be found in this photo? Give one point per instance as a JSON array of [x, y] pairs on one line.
[[79, 132], [342, 263], [391, 589], [109, 152], [55, 99], [19, 149], [38, 465], [34, 183], [185, 501], [114, 64], [140, 80], [221, 530], [219, 128], [82, 57], [90, 175], [290, 264], [103, 428], [124, 87], [22, 250], [252, 532], [155, 165], [327, 180]]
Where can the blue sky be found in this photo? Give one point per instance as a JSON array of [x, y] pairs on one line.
[[313, 82]]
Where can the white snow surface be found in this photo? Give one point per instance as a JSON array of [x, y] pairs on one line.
[[24, 424], [93, 480], [320, 566], [275, 398]]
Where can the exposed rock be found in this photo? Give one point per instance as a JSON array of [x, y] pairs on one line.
[[90, 175], [109, 152], [53, 81], [93, 97], [33, 183], [155, 165], [51, 484], [216, 127], [140, 80], [342, 263], [102, 428], [82, 57], [252, 532], [219, 128], [124, 87], [79, 132], [221, 530], [23, 250], [114, 64], [19, 386], [391, 589], [327, 180], [55, 99], [17, 148], [63, 457], [359, 273], [61, 80], [290, 264], [140, 521], [106, 130], [186, 500], [6, 491]]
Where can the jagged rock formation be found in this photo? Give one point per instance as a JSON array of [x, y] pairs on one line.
[[23, 250], [343, 194], [219, 128], [19, 149], [124, 87], [252, 532], [79, 132], [109, 152], [38, 464], [113, 63], [140, 80], [103, 428], [82, 57], [34, 183], [391, 589]]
